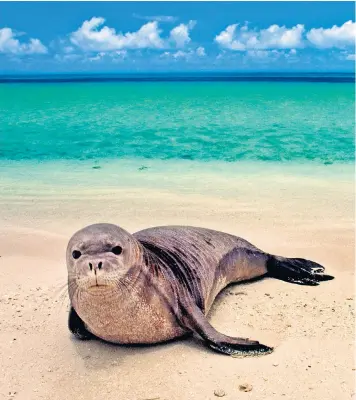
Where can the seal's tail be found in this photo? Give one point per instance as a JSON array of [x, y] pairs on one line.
[[296, 270]]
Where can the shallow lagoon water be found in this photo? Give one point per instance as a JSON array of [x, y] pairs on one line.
[[197, 121]]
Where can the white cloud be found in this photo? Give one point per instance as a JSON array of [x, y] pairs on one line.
[[200, 51], [263, 55], [67, 57], [98, 57], [11, 45], [68, 49], [291, 55], [271, 55], [90, 38], [180, 34], [112, 56], [181, 54], [34, 47], [258, 53], [120, 53], [226, 39], [158, 18], [241, 39], [351, 57], [176, 55], [94, 36], [336, 36]]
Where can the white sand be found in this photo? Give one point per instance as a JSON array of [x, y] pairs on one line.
[[311, 327]]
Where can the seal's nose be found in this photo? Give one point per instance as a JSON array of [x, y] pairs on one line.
[[95, 266]]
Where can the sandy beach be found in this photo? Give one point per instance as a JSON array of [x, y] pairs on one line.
[[312, 328]]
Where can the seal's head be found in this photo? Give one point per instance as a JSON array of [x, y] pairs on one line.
[[99, 257]]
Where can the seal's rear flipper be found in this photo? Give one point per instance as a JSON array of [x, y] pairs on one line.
[[296, 270]]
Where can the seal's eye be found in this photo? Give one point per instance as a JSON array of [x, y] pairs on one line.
[[117, 250], [76, 254]]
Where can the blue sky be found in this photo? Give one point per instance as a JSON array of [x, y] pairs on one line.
[[173, 36]]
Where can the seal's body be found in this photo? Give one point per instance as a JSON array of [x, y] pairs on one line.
[[159, 283]]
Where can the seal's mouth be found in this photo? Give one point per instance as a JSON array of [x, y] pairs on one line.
[[97, 286], [98, 290], [100, 281]]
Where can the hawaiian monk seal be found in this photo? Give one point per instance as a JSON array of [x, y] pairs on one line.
[[159, 283]]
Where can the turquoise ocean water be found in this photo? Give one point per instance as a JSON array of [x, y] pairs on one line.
[[200, 121], [167, 134]]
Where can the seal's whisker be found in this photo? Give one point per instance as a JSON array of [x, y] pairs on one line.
[[58, 289], [61, 295], [64, 301]]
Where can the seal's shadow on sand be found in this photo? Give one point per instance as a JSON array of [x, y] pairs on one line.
[[98, 354]]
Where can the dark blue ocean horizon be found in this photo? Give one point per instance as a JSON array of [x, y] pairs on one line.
[[194, 76]]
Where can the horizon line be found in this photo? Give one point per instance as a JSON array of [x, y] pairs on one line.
[[193, 76]]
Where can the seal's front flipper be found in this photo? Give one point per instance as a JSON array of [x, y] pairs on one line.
[[241, 350], [196, 321], [77, 326], [296, 270]]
